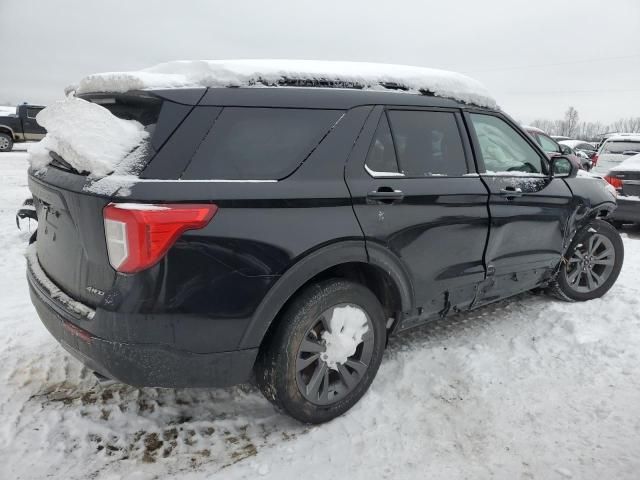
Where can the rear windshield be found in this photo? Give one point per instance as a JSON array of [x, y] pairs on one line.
[[130, 107], [616, 146], [159, 118], [259, 143]]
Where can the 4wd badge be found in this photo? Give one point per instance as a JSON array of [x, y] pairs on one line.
[[95, 291]]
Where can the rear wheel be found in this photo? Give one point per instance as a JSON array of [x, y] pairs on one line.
[[592, 263], [6, 142], [324, 352]]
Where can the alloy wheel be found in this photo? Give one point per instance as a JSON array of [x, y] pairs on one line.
[[324, 374], [590, 264]]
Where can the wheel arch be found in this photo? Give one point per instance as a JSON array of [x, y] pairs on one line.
[[8, 130], [579, 222], [345, 259]]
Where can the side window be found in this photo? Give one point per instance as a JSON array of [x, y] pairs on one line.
[[503, 149], [548, 145], [32, 112], [427, 143], [259, 143], [381, 158]]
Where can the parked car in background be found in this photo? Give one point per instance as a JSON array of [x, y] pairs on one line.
[[553, 148], [19, 125], [604, 137], [615, 150], [581, 146], [559, 138], [625, 177]]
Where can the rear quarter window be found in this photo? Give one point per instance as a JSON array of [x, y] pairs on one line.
[[32, 112], [259, 143]]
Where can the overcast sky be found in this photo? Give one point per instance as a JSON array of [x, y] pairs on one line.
[[536, 57]]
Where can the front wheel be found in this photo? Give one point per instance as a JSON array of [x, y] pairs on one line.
[[592, 263], [6, 142], [324, 352]]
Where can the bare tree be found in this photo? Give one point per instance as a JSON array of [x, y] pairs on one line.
[[571, 119], [629, 125], [545, 125], [571, 126]]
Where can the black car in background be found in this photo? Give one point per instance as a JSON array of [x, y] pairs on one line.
[[625, 178], [285, 233], [20, 126]]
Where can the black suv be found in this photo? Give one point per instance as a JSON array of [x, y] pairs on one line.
[[285, 233]]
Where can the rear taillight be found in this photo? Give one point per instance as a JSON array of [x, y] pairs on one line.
[[614, 181], [138, 235], [594, 160]]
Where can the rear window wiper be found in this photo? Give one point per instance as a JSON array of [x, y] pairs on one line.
[[59, 162]]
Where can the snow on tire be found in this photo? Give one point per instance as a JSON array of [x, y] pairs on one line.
[[324, 351]]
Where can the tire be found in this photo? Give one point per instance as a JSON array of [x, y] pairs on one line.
[[617, 224], [6, 142], [604, 263], [283, 350]]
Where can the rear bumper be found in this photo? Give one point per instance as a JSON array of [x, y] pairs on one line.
[[627, 210], [138, 364]]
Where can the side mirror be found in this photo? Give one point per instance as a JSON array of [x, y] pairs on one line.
[[562, 167]]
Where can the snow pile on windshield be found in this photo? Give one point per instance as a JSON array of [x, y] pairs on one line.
[[632, 164], [236, 73], [87, 136]]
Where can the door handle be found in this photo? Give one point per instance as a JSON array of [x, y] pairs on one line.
[[386, 195], [511, 192]]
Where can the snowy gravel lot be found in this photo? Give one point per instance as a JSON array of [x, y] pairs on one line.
[[531, 388]]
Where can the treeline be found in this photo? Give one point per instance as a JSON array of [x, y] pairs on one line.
[[572, 127]]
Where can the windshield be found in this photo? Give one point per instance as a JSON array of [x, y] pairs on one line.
[[621, 146]]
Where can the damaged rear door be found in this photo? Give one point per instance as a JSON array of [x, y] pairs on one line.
[[413, 194]]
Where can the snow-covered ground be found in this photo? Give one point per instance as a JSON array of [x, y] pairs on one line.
[[531, 388]]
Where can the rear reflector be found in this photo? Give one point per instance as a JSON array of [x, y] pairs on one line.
[[138, 235], [594, 160], [614, 181], [77, 331]]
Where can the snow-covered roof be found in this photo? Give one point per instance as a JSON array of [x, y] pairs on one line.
[[529, 128], [631, 164], [629, 137], [7, 110], [621, 134], [260, 73], [574, 143]]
